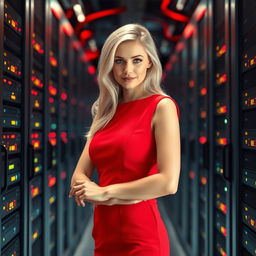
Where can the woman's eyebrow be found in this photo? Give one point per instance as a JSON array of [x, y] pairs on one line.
[[131, 57]]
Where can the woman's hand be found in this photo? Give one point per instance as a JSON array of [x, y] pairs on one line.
[[88, 190], [73, 183]]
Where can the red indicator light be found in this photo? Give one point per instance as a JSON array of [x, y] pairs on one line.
[[91, 70], [51, 100], [64, 137], [222, 141], [51, 181], [34, 191], [53, 61], [202, 140], [63, 175], [52, 90], [204, 180], [203, 91], [192, 175], [64, 96]]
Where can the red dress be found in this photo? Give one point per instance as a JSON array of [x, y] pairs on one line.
[[125, 150]]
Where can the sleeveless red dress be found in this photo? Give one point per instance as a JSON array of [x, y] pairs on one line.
[[125, 150]]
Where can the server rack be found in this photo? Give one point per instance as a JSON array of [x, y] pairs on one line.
[[247, 174], [203, 138], [186, 150], [12, 75], [53, 131], [191, 136], [220, 177], [226, 169], [37, 115], [174, 200], [76, 66], [36, 129]]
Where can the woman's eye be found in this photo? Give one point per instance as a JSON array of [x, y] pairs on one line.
[[118, 61], [137, 60]]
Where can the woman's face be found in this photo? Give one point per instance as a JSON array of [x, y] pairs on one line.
[[130, 64]]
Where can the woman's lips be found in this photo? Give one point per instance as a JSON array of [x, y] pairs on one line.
[[128, 79]]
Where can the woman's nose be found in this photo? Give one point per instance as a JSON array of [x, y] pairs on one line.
[[127, 67]]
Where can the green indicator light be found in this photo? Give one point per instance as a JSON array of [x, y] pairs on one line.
[[11, 166], [53, 126], [225, 121], [225, 189]]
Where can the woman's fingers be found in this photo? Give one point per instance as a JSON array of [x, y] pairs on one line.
[[74, 190], [79, 192], [77, 185], [77, 201]]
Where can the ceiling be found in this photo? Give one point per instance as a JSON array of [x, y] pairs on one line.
[[164, 29]]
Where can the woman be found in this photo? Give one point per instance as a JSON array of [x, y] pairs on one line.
[[134, 142]]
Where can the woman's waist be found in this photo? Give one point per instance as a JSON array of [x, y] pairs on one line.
[[152, 201]]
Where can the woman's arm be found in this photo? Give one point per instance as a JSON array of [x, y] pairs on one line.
[[83, 170], [153, 186], [114, 201], [167, 137]]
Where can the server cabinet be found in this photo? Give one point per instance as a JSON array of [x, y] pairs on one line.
[[12, 107], [203, 138], [64, 149], [40, 129], [52, 131], [173, 203], [220, 177], [207, 183], [247, 174], [36, 128], [77, 141]]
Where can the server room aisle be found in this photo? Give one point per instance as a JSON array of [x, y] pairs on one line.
[[86, 244], [48, 83]]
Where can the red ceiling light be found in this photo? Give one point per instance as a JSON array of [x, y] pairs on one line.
[[67, 28], [98, 15], [56, 10], [171, 14], [200, 13], [90, 55], [188, 30], [85, 34]]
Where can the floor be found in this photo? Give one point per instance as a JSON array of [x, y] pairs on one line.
[[86, 246]]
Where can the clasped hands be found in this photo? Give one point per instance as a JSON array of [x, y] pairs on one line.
[[85, 190]]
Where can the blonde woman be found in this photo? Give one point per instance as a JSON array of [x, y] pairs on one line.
[[134, 142]]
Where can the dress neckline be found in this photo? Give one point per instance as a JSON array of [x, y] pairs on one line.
[[127, 102]]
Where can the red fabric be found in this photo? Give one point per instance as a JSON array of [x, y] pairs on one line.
[[125, 150]]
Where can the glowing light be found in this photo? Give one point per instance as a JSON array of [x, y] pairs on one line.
[[188, 30], [202, 140], [51, 181], [91, 70], [203, 91], [171, 14]]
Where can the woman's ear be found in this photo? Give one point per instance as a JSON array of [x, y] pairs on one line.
[[149, 64]]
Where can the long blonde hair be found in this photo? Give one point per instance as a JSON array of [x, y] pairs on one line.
[[104, 108]]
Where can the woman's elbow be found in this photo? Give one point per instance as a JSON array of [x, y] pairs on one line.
[[172, 188]]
